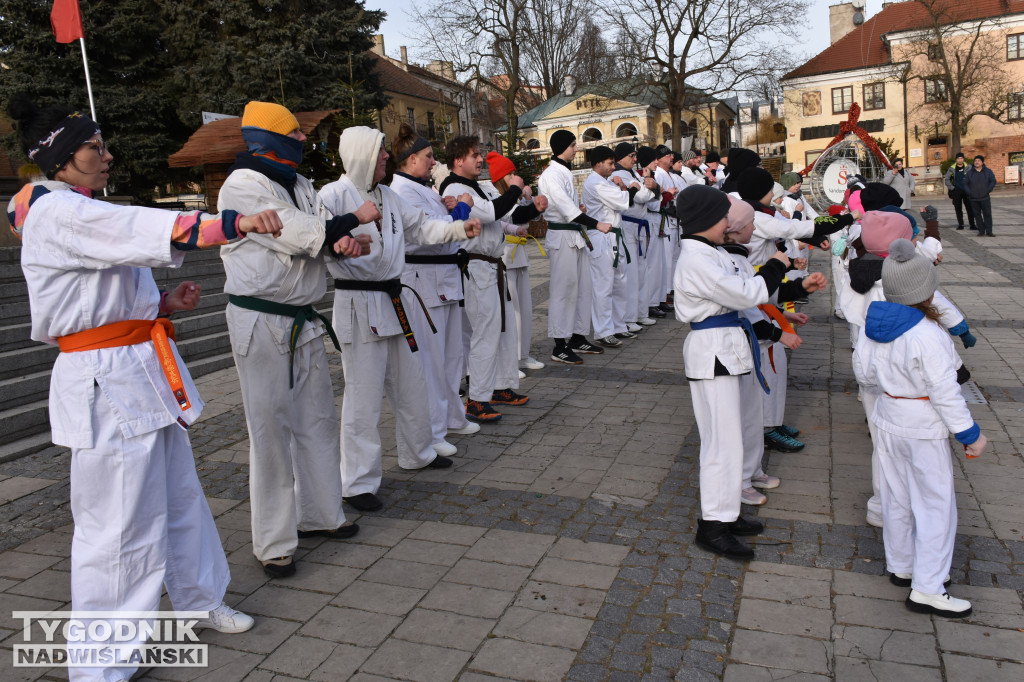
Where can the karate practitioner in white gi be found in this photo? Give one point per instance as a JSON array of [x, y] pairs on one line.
[[569, 232], [637, 216], [667, 236], [120, 395], [377, 355]]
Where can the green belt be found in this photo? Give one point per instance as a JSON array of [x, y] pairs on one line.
[[572, 227], [301, 314], [618, 240]]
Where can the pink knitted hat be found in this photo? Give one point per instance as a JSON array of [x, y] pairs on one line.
[[879, 229]]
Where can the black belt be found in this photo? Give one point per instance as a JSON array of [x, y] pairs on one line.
[[300, 314], [460, 258], [503, 295], [393, 288]]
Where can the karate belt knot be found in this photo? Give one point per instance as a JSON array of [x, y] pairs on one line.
[[503, 293], [573, 227], [733, 319], [129, 333], [641, 225], [619, 240], [664, 219], [393, 288], [300, 314], [522, 241], [459, 259]]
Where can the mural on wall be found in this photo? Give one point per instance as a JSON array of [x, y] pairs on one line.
[[812, 103]]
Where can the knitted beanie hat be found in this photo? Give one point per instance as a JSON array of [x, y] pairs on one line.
[[560, 141], [835, 209], [600, 153], [741, 214], [879, 229], [789, 179], [699, 207], [908, 277], [662, 150], [741, 159], [712, 157], [645, 155], [754, 183], [853, 201], [623, 149], [877, 195], [687, 155], [499, 166], [269, 116]]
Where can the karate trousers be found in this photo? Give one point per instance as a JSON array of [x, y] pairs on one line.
[[492, 358], [141, 523], [868, 398], [654, 268], [630, 292], [442, 364], [840, 280], [570, 291], [670, 252], [375, 368], [522, 304], [294, 475], [751, 412], [602, 282], [918, 508], [716, 408], [777, 380]]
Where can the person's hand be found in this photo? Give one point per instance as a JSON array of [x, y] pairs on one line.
[[977, 448], [265, 222], [514, 180], [798, 319], [784, 214], [449, 203], [184, 297], [527, 192], [815, 281], [825, 245], [618, 181], [541, 204], [800, 206], [649, 182], [671, 190], [466, 198], [782, 257], [472, 227], [583, 208], [857, 215], [634, 185], [367, 213], [604, 227], [523, 231], [938, 259], [790, 341], [800, 263], [350, 247]]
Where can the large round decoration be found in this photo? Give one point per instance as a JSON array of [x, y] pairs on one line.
[[833, 181]]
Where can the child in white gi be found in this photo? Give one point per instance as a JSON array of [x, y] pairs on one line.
[[909, 359], [710, 289]]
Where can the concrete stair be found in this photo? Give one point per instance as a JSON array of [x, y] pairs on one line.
[[25, 365]]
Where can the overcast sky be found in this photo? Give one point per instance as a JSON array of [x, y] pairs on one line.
[[398, 28]]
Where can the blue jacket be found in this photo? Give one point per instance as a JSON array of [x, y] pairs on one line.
[[980, 183]]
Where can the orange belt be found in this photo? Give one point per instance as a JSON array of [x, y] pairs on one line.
[[776, 315], [129, 333], [903, 397]]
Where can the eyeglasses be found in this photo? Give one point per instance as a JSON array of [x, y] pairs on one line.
[[98, 146]]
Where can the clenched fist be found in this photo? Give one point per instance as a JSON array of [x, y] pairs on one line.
[[367, 213], [541, 204], [265, 222], [472, 227]]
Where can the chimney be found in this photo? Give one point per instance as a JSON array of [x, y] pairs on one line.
[[378, 45], [442, 69], [405, 58], [568, 85], [844, 17]]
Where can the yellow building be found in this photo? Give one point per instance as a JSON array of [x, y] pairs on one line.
[[879, 63], [429, 110]]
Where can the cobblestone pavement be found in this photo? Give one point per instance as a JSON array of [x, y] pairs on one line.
[[559, 545]]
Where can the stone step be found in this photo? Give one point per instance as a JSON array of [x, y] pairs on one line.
[[25, 446], [24, 421], [25, 361], [24, 389], [14, 336]]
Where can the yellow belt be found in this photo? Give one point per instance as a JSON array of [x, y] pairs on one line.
[[520, 241]]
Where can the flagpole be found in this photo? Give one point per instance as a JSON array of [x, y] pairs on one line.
[[88, 88]]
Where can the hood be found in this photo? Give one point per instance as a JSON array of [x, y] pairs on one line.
[[887, 321], [358, 148]]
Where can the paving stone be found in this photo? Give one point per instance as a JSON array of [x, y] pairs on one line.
[[787, 589], [264, 637], [488, 574], [281, 602], [968, 667], [318, 577], [539, 627], [979, 641], [20, 565], [342, 664], [404, 573], [426, 552], [574, 573], [786, 619], [889, 645], [409, 660], [572, 601], [352, 626], [735, 672], [48, 584], [441, 628], [299, 656], [861, 669], [377, 597], [448, 533], [507, 547], [525, 661], [17, 487], [469, 600], [346, 554], [891, 615], [763, 648]]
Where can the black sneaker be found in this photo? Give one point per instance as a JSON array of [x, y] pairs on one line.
[[667, 307], [656, 312], [625, 335], [579, 344], [609, 342], [715, 536], [343, 532], [280, 567], [364, 502], [566, 356]]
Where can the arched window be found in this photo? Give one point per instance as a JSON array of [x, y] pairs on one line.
[[626, 130], [666, 131], [532, 143], [592, 135]]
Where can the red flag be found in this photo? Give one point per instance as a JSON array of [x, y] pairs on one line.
[[66, 19]]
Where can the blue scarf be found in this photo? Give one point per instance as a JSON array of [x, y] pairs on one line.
[[283, 152]]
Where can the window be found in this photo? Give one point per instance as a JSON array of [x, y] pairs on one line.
[[812, 156], [1015, 109], [431, 132], [533, 143], [410, 115], [592, 135], [842, 99], [934, 90], [625, 130], [934, 52], [1015, 47], [874, 96]]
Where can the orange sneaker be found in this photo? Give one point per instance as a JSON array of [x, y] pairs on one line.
[[507, 396], [477, 411]]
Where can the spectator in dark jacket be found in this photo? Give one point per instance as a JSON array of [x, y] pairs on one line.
[[980, 181], [956, 187]]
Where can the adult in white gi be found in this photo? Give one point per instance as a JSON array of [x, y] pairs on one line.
[[901, 180], [710, 289], [277, 344], [712, 170], [493, 358], [636, 230], [910, 361], [141, 520], [569, 245], [433, 270], [376, 343], [606, 197], [668, 235]]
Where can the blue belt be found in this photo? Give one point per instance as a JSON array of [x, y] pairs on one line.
[[733, 319], [640, 225]]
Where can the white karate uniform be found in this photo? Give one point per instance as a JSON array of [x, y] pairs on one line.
[[135, 497], [376, 357], [570, 285], [517, 264], [918, 499], [492, 359], [669, 248], [653, 265], [294, 475], [709, 282], [635, 239], [794, 247], [440, 287], [605, 201]]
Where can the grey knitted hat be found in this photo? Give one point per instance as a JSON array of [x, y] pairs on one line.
[[908, 277]]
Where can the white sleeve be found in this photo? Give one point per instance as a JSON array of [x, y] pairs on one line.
[[938, 367], [421, 228], [558, 199], [773, 227], [252, 192]]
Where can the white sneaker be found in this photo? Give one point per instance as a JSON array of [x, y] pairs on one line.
[[226, 619], [646, 321], [469, 429], [939, 604], [531, 363], [752, 497], [445, 449], [874, 519], [522, 374], [633, 327], [765, 482]]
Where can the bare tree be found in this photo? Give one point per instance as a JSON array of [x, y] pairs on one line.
[[553, 36], [693, 50], [597, 60], [961, 65]]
